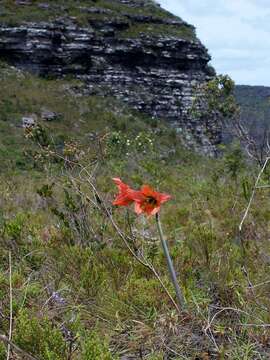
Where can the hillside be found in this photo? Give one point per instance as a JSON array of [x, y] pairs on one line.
[[132, 50], [255, 105], [75, 284], [81, 278]]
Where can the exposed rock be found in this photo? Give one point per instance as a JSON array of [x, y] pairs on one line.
[[29, 121], [95, 10], [49, 115], [44, 6], [23, 2], [146, 19], [153, 74]]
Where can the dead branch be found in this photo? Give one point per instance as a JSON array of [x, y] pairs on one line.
[[253, 193], [23, 353]]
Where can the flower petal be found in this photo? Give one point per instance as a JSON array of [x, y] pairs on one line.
[[122, 200], [155, 210], [147, 191], [164, 197], [124, 197], [119, 183], [138, 210], [137, 196]]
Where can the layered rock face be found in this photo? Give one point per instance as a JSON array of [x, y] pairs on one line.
[[153, 73]]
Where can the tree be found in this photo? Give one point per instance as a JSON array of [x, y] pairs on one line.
[[215, 105]]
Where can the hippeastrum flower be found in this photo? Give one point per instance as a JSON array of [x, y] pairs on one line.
[[126, 194], [148, 201]]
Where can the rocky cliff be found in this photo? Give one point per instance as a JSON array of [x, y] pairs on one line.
[[130, 49]]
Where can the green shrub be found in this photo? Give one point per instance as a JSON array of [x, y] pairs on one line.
[[13, 228], [39, 337], [94, 347]]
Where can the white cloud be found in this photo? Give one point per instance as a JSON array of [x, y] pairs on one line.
[[236, 32]]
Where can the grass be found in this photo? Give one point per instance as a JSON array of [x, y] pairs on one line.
[[12, 14], [24, 95], [76, 290], [34, 11], [159, 30]]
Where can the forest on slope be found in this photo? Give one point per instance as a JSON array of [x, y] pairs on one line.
[[255, 108]]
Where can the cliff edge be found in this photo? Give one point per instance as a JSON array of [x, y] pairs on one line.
[[131, 49]]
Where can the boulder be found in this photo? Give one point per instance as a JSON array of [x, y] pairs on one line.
[[48, 115], [29, 121]]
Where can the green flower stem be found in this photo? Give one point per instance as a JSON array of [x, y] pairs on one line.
[[179, 295]]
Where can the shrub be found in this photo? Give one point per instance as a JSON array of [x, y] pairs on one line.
[[94, 348], [39, 337]]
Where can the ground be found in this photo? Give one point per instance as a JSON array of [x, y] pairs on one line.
[[77, 290]]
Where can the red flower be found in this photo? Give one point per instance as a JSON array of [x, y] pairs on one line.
[[125, 196], [148, 201]]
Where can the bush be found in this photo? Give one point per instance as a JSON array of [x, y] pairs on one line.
[[39, 337], [95, 348]]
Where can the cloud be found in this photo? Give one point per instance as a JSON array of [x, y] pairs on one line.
[[236, 32]]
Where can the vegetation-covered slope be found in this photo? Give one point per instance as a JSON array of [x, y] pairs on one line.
[[255, 106], [132, 50], [78, 293], [130, 14], [81, 278]]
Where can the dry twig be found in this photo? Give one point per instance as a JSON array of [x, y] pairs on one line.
[[253, 193], [10, 305], [23, 353], [100, 204]]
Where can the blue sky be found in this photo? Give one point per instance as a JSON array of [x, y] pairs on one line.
[[236, 33]]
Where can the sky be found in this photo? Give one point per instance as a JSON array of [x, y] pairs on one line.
[[236, 33]]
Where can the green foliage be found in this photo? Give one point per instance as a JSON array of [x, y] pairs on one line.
[[159, 30], [13, 228], [12, 14], [202, 241], [155, 356], [118, 143], [39, 135], [220, 97], [75, 284], [215, 99], [234, 160], [46, 190], [39, 337], [95, 348], [255, 109], [244, 350]]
